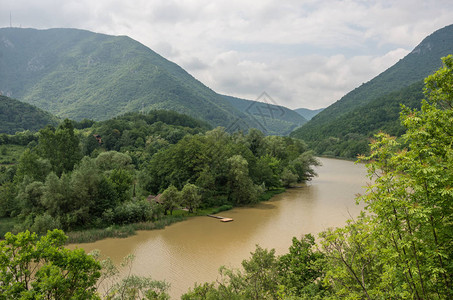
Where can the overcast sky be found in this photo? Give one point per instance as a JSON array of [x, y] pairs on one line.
[[303, 53]]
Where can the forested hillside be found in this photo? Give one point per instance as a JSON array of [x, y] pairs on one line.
[[308, 113], [418, 64], [18, 116], [78, 74], [350, 134], [271, 118]]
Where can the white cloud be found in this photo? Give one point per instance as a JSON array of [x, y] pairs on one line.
[[304, 53]]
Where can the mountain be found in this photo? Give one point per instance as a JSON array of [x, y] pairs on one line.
[[308, 113], [422, 61], [79, 74], [269, 116], [18, 116]]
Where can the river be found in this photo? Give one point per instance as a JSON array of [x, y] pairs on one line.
[[193, 250]]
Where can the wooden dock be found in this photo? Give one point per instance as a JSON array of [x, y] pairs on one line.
[[222, 219]]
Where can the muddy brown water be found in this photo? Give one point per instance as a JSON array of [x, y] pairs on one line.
[[193, 250]]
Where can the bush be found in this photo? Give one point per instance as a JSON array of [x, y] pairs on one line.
[[45, 222], [132, 211]]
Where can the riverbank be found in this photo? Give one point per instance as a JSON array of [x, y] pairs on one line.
[[192, 251], [123, 231], [126, 230]]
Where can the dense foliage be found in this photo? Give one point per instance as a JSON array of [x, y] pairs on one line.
[[16, 116], [103, 173], [400, 247], [232, 169], [79, 74], [349, 135], [33, 267], [413, 68]]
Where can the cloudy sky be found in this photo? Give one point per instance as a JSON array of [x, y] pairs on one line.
[[303, 53]]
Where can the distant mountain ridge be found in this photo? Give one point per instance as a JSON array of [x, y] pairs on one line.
[[17, 116], [269, 116], [308, 113], [79, 74], [414, 67]]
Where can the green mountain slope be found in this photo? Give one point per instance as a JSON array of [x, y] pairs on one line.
[[349, 135], [308, 113], [422, 61], [18, 116], [80, 74], [271, 118]]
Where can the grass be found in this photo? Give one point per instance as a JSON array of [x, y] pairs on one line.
[[120, 231], [267, 195]]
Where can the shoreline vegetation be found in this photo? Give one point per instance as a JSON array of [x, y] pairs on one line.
[[95, 180], [124, 231], [127, 230]]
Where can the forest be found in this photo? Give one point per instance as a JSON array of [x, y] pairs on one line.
[[83, 175], [400, 247]]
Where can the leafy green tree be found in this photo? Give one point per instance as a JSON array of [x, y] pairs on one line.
[[8, 205], [255, 139], [302, 166], [302, 270], [58, 196], [111, 160], [29, 197], [190, 197], [403, 249], [85, 181], [268, 171], [130, 286], [257, 280], [240, 186], [33, 267], [171, 199], [32, 165], [60, 146], [288, 178], [121, 181]]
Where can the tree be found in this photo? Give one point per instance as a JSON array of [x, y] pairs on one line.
[[171, 198], [288, 178], [60, 146], [190, 196], [302, 270], [241, 188], [302, 166], [130, 286], [33, 267], [31, 165], [403, 248]]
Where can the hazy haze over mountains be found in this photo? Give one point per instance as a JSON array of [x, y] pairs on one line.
[[375, 105], [302, 53], [79, 74]]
